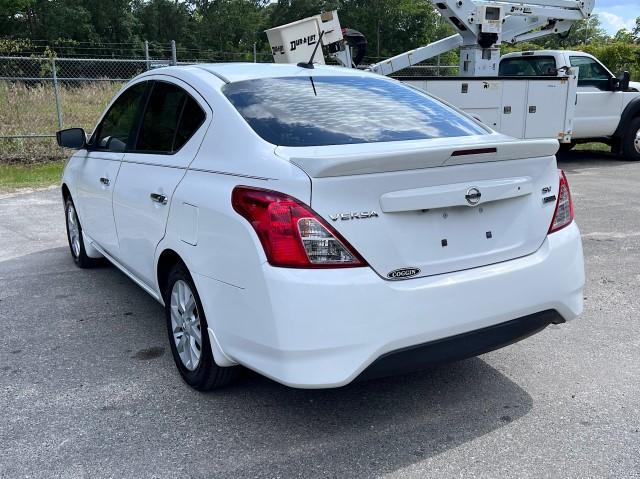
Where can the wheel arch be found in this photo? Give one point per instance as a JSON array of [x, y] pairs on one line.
[[166, 260], [631, 111], [66, 193]]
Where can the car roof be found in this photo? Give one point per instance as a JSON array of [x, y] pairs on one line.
[[234, 72], [544, 52]]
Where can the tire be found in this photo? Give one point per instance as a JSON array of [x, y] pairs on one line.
[[188, 337], [75, 238], [631, 141]]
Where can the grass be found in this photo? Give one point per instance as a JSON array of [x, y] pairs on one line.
[[593, 147], [14, 176], [31, 109]]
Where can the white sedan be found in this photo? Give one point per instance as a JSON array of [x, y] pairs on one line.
[[319, 225]]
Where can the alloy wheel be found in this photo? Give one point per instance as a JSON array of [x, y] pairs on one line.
[[74, 230], [185, 325]]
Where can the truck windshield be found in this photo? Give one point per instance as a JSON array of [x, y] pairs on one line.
[[338, 110], [528, 66]]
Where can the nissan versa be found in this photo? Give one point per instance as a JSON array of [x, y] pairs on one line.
[[321, 225]]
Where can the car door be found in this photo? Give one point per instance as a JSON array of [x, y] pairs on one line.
[[98, 171], [598, 108], [170, 132]]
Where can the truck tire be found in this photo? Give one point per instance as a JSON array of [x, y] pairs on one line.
[[631, 141]]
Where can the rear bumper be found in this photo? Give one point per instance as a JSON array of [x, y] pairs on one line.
[[461, 346], [323, 328]]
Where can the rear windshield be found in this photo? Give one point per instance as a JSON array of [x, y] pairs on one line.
[[528, 66], [338, 110]]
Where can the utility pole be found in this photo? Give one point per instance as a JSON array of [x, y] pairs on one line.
[[146, 54]]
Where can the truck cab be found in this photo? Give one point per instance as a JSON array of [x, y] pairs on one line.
[[607, 108]]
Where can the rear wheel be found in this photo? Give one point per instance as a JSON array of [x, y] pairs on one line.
[[75, 238], [631, 141], [188, 336]]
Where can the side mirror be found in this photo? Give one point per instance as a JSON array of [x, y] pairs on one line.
[[74, 138], [614, 84], [624, 81]]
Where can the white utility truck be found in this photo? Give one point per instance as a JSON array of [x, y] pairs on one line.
[[556, 102], [607, 108]]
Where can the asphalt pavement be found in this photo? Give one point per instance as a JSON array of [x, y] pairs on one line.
[[88, 387]]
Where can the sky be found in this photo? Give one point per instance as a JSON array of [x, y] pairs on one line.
[[617, 14]]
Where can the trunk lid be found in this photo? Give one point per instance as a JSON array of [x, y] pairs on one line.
[[421, 208]]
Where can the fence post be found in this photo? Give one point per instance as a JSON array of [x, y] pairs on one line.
[[56, 92], [255, 53], [146, 54], [438, 69], [174, 56]]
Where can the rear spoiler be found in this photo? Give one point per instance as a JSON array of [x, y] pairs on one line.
[[321, 162]]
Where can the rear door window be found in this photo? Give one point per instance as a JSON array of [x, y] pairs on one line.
[[535, 65], [338, 110], [170, 119]]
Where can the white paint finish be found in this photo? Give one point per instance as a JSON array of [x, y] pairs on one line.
[[513, 112], [367, 158], [546, 109], [269, 318], [504, 104], [299, 344], [443, 196], [518, 225], [94, 197], [596, 113], [139, 220], [188, 223]]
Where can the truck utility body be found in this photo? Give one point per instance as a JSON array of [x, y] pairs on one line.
[[604, 104], [521, 107], [567, 96]]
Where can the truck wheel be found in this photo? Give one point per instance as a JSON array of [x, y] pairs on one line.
[[631, 141]]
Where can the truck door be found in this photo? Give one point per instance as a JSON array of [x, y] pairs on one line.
[[598, 108]]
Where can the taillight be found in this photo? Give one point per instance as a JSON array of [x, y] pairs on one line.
[[563, 215], [291, 233]]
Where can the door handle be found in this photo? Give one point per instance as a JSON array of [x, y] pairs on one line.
[[158, 198], [105, 181]]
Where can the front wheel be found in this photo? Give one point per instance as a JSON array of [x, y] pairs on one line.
[[75, 238], [631, 141], [188, 335]]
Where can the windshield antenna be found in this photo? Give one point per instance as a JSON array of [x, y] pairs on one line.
[[309, 64]]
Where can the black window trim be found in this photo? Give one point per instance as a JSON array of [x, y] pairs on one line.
[[144, 111], [94, 146], [137, 123]]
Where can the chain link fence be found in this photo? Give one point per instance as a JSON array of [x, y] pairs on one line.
[[39, 96]]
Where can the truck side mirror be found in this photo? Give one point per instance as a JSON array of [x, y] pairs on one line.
[[74, 138], [623, 84]]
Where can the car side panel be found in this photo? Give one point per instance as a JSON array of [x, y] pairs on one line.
[[96, 176], [141, 220], [223, 247]]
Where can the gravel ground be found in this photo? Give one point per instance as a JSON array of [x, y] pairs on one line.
[[88, 387]]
